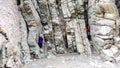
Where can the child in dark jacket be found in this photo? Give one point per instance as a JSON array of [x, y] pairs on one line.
[[40, 41], [88, 32]]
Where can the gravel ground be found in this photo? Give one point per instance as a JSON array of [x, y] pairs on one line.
[[71, 61]]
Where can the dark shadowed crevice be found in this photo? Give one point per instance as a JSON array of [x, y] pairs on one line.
[[117, 2], [42, 12], [18, 2], [25, 23], [86, 20], [63, 23], [4, 34]]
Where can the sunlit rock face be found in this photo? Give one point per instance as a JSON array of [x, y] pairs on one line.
[[10, 35], [64, 26], [104, 21], [22, 21], [32, 20], [62, 23]]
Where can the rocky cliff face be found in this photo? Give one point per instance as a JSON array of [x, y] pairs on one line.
[[104, 21], [13, 34], [62, 23]]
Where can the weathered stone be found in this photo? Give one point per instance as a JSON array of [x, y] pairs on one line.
[[104, 22], [2, 41], [104, 30], [100, 41], [104, 25], [65, 10], [33, 22], [63, 25], [110, 52], [108, 8], [10, 32], [25, 52]]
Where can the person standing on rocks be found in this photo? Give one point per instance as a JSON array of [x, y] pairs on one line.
[[88, 32], [40, 41]]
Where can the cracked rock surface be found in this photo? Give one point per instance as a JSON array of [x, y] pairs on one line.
[[62, 24]]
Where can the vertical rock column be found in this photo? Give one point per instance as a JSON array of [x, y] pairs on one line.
[[117, 2], [24, 48], [10, 36], [61, 19], [57, 32], [44, 12], [32, 20], [75, 25], [104, 22], [69, 25], [81, 8]]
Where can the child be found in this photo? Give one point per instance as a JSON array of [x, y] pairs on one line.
[[88, 32], [40, 41]]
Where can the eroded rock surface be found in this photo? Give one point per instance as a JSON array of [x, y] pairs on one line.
[[104, 21], [62, 23]]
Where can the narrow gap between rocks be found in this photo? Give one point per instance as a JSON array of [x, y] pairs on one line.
[[86, 20]]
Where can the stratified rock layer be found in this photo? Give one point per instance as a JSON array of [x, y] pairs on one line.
[[104, 21], [62, 24]]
